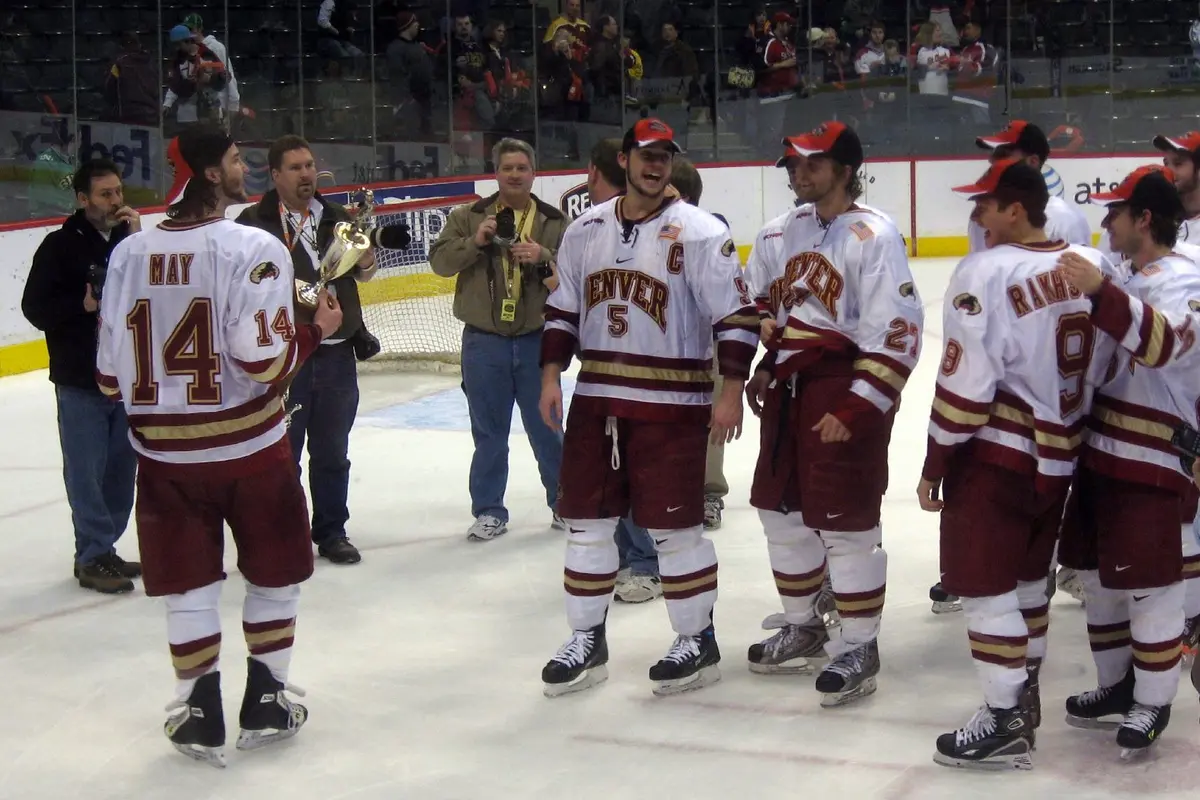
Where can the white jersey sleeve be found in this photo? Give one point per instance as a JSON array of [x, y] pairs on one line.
[[721, 292], [560, 338], [1066, 222], [762, 266], [1160, 330]]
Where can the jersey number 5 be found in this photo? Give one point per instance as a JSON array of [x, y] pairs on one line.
[[1073, 339], [189, 350]]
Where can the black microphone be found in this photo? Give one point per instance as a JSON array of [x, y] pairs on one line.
[[391, 237]]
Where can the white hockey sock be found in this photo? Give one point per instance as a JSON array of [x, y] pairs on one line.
[[999, 638], [1156, 625], [687, 567], [797, 557], [1191, 571], [1108, 629], [194, 633], [590, 570], [1035, 608], [269, 624], [858, 573]]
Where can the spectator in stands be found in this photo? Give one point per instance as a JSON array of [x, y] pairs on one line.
[[336, 21], [500, 290], [508, 88], [230, 99], [62, 299], [858, 17], [194, 81], [687, 181], [410, 68], [564, 96], [132, 86], [579, 33], [605, 69], [324, 393], [677, 61], [778, 78], [475, 109], [933, 61], [750, 46]]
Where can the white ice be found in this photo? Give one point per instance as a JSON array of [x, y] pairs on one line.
[[422, 663]]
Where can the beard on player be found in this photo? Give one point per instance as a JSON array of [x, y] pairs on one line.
[[824, 182], [1183, 167], [648, 172]]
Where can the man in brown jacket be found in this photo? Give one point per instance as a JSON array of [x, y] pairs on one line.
[[501, 250]]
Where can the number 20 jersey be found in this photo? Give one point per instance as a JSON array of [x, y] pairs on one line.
[[196, 339], [1020, 365]]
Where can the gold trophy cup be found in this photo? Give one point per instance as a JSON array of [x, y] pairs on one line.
[[350, 241]]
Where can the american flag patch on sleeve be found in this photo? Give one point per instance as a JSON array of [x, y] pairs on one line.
[[862, 230], [670, 231]]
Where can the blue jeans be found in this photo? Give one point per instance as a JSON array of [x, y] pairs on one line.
[[99, 469], [326, 389], [498, 371], [636, 548]]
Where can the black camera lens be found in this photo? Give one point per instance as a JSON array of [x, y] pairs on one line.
[[506, 224]]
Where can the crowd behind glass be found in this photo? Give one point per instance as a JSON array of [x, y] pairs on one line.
[[389, 90]]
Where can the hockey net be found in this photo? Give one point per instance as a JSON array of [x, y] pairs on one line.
[[407, 307]]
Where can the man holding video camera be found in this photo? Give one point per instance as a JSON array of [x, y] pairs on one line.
[[62, 299], [501, 250]]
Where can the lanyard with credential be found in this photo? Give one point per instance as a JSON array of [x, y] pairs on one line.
[[299, 229], [512, 282]]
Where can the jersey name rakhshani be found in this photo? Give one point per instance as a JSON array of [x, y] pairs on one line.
[[1043, 289]]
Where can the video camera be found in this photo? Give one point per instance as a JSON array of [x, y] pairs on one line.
[[96, 276], [506, 237]]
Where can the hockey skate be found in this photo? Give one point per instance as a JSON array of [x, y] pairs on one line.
[[197, 726], [267, 715], [1068, 581], [690, 664], [943, 601], [1031, 695], [1142, 727], [579, 664], [995, 739], [826, 605], [791, 651], [850, 676], [1190, 640], [1095, 709]]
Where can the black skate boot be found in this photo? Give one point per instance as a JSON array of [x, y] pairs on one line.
[[994, 739], [268, 716], [197, 727], [1142, 727], [792, 651], [943, 601], [1097, 708], [1031, 695], [579, 664], [826, 605], [849, 676], [690, 664]]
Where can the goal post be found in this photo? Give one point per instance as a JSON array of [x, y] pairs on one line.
[[407, 307]]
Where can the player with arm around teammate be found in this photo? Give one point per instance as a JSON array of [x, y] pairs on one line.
[[197, 339], [645, 281], [1131, 495], [848, 335], [1013, 390]]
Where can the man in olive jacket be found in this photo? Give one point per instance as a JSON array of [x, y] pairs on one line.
[[501, 250]]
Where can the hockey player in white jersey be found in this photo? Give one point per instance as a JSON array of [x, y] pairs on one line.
[[1131, 494], [1015, 385], [1181, 155], [645, 283], [848, 335], [197, 339], [1066, 222]]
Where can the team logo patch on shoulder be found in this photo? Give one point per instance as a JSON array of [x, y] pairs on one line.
[[1194, 305], [907, 290], [968, 303], [729, 248], [263, 271], [862, 230]]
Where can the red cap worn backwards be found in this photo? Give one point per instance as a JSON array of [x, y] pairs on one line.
[[183, 173], [650, 131], [1151, 187], [1187, 143], [833, 139], [1011, 174], [1024, 136]]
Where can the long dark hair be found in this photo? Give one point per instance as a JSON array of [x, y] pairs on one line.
[[199, 199]]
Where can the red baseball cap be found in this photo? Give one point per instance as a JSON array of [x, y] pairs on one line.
[[650, 131], [834, 139], [183, 173], [1004, 174], [1025, 136], [1187, 143], [782, 17], [1143, 193]]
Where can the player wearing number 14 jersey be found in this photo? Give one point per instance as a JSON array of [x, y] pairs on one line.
[[196, 339], [1020, 362]]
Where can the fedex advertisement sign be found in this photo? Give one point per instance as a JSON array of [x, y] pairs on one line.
[[137, 150]]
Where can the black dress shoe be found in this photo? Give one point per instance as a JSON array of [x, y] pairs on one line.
[[129, 569], [339, 551]]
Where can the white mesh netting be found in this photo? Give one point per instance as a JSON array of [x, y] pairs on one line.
[[406, 306]]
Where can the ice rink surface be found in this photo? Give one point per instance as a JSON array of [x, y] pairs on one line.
[[422, 663]]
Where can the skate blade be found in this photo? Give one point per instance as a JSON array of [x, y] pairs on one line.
[[801, 665], [253, 740], [214, 756], [1109, 723], [586, 680], [635, 599], [946, 606], [1137, 755], [1021, 761], [835, 699], [704, 677]]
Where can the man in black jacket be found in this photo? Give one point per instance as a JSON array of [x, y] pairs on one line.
[[324, 392], [62, 299]]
